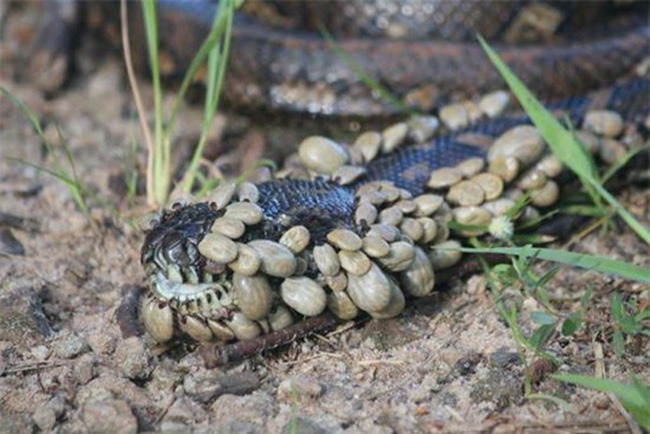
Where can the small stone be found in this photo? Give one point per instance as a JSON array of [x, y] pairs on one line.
[[44, 417], [134, 359], [70, 347], [207, 385], [551, 166], [84, 369], [304, 425], [391, 216], [109, 416], [300, 385], [344, 239], [491, 184], [40, 352], [532, 180]]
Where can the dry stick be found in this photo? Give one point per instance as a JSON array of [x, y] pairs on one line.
[[216, 355], [138, 101], [219, 355]]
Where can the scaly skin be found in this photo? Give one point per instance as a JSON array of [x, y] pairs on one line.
[[323, 206]]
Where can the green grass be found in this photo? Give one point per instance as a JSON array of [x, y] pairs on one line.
[[626, 318], [65, 171], [596, 263], [634, 397], [213, 54]]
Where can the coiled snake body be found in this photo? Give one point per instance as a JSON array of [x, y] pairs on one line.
[[362, 228]]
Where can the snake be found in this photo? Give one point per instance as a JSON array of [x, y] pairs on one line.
[[347, 229]]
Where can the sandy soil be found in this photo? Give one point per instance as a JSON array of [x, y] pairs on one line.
[[449, 364]]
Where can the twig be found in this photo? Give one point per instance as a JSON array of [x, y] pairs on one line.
[[128, 60], [217, 355], [634, 427]]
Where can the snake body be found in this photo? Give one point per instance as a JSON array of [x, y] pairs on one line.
[[362, 228], [283, 64]]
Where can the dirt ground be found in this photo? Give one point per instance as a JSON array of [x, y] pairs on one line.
[[449, 364]]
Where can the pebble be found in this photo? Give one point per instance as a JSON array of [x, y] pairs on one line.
[[84, 369], [70, 347], [46, 415], [344, 239], [109, 416], [206, 385], [304, 425], [545, 196], [301, 385], [134, 360]]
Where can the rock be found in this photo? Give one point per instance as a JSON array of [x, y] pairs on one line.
[[239, 427], [15, 423], [109, 416], [102, 342], [70, 346], [44, 418], [502, 358], [303, 425], [22, 320], [184, 411], [46, 415], [501, 387], [9, 244], [207, 385], [302, 386], [84, 369], [134, 359]]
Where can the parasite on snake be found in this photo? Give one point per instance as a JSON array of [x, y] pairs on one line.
[[366, 225], [254, 259]]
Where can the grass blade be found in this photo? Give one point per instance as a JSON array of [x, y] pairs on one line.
[[161, 163], [635, 397], [217, 60], [589, 262]]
